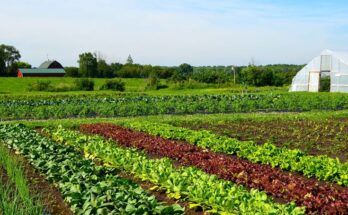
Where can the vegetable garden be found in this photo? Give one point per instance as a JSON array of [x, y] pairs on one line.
[[44, 107], [200, 164]]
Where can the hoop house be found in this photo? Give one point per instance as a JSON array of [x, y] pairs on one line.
[[328, 63]]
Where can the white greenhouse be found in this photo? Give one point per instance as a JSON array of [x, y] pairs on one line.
[[328, 63]]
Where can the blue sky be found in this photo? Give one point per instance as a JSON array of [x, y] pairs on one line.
[[170, 32]]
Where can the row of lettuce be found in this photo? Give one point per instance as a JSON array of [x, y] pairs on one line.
[[321, 167], [287, 187], [94, 189], [111, 106]]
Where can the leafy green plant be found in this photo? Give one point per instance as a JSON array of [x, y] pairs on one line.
[[321, 167], [184, 182], [86, 187]]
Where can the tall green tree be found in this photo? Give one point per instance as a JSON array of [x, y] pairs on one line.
[[9, 55], [88, 65], [129, 60], [104, 69], [115, 67]]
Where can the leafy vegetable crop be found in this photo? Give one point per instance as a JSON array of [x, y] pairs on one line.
[[181, 182], [91, 106], [321, 167], [89, 189], [323, 199]]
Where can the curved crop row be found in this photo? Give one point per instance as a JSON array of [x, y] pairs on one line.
[[322, 167], [199, 187], [89, 189], [323, 198]]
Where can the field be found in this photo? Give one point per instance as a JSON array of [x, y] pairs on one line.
[[191, 151]]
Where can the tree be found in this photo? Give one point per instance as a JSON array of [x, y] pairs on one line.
[[2, 63], [257, 76], [12, 71], [115, 68], [71, 71], [104, 69], [9, 55], [183, 72], [88, 65], [129, 60]]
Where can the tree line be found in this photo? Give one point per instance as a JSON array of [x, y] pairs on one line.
[[93, 66]]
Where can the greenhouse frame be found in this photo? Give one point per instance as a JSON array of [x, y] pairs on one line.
[[329, 63]]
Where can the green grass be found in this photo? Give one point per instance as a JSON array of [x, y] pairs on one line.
[[19, 86]]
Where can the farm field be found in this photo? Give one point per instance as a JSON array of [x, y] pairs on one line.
[[15, 86], [258, 153]]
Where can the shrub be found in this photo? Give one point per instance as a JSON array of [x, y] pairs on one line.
[[154, 83], [116, 84], [84, 84], [40, 86]]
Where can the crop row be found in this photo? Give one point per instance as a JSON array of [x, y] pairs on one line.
[[15, 197], [316, 137], [180, 182], [87, 188], [321, 167], [153, 105], [324, 198]]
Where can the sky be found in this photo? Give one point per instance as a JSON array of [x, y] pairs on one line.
[[171, 32]]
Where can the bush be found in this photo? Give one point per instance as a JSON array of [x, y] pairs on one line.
[[154, 83], [40, 86], [62, 87], [84, 84], [191, 84], [117, 85]]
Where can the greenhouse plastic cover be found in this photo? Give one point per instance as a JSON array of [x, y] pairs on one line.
[[331, 63]]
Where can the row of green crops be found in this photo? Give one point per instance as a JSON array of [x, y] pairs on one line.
[[87, 188], [182, 182], [110, 106], [15, 197], [321, 167]]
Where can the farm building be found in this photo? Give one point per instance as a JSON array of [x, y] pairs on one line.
[[46, 69], [331, 64]]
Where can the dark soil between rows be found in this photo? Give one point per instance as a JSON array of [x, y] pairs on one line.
[[324, 137]]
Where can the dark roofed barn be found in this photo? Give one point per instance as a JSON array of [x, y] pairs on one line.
[[46, 69], [51, 64]]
